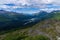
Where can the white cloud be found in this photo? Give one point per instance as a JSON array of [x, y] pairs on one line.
[[42, 4], [30, 2], [6, 1]]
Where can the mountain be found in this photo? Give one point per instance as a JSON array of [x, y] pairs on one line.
[[49, 27], [55, 11], [41, 26], [10, 20]]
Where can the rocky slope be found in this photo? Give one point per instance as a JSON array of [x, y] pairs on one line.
[[48, 29]]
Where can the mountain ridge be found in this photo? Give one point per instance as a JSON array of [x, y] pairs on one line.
[[48, 25]]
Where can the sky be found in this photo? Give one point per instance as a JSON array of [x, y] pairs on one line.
[[29, 6]]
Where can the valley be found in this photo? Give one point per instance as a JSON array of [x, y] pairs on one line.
[[40, 26]]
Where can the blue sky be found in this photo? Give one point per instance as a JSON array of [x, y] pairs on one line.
[[29, 6]]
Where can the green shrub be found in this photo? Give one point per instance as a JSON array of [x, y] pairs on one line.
[[26, 37]]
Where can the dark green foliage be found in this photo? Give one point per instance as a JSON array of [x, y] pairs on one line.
[[56, 16], [24, 37], [38, 37]]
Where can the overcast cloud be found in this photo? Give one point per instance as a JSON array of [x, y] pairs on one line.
[[41, 4]]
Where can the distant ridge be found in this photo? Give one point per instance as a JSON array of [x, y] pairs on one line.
[[13, 19]]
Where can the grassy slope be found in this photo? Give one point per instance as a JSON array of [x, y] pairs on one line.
[[49, 28]]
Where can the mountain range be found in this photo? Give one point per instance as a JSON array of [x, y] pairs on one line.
[[19, 26]]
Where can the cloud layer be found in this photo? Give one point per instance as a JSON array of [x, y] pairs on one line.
[[39, 4]]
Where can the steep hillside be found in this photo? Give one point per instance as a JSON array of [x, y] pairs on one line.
[[47, 29], [10, 20]]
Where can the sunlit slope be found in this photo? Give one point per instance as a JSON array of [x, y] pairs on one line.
[[48, 29], [56, 16], [50, 26]]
